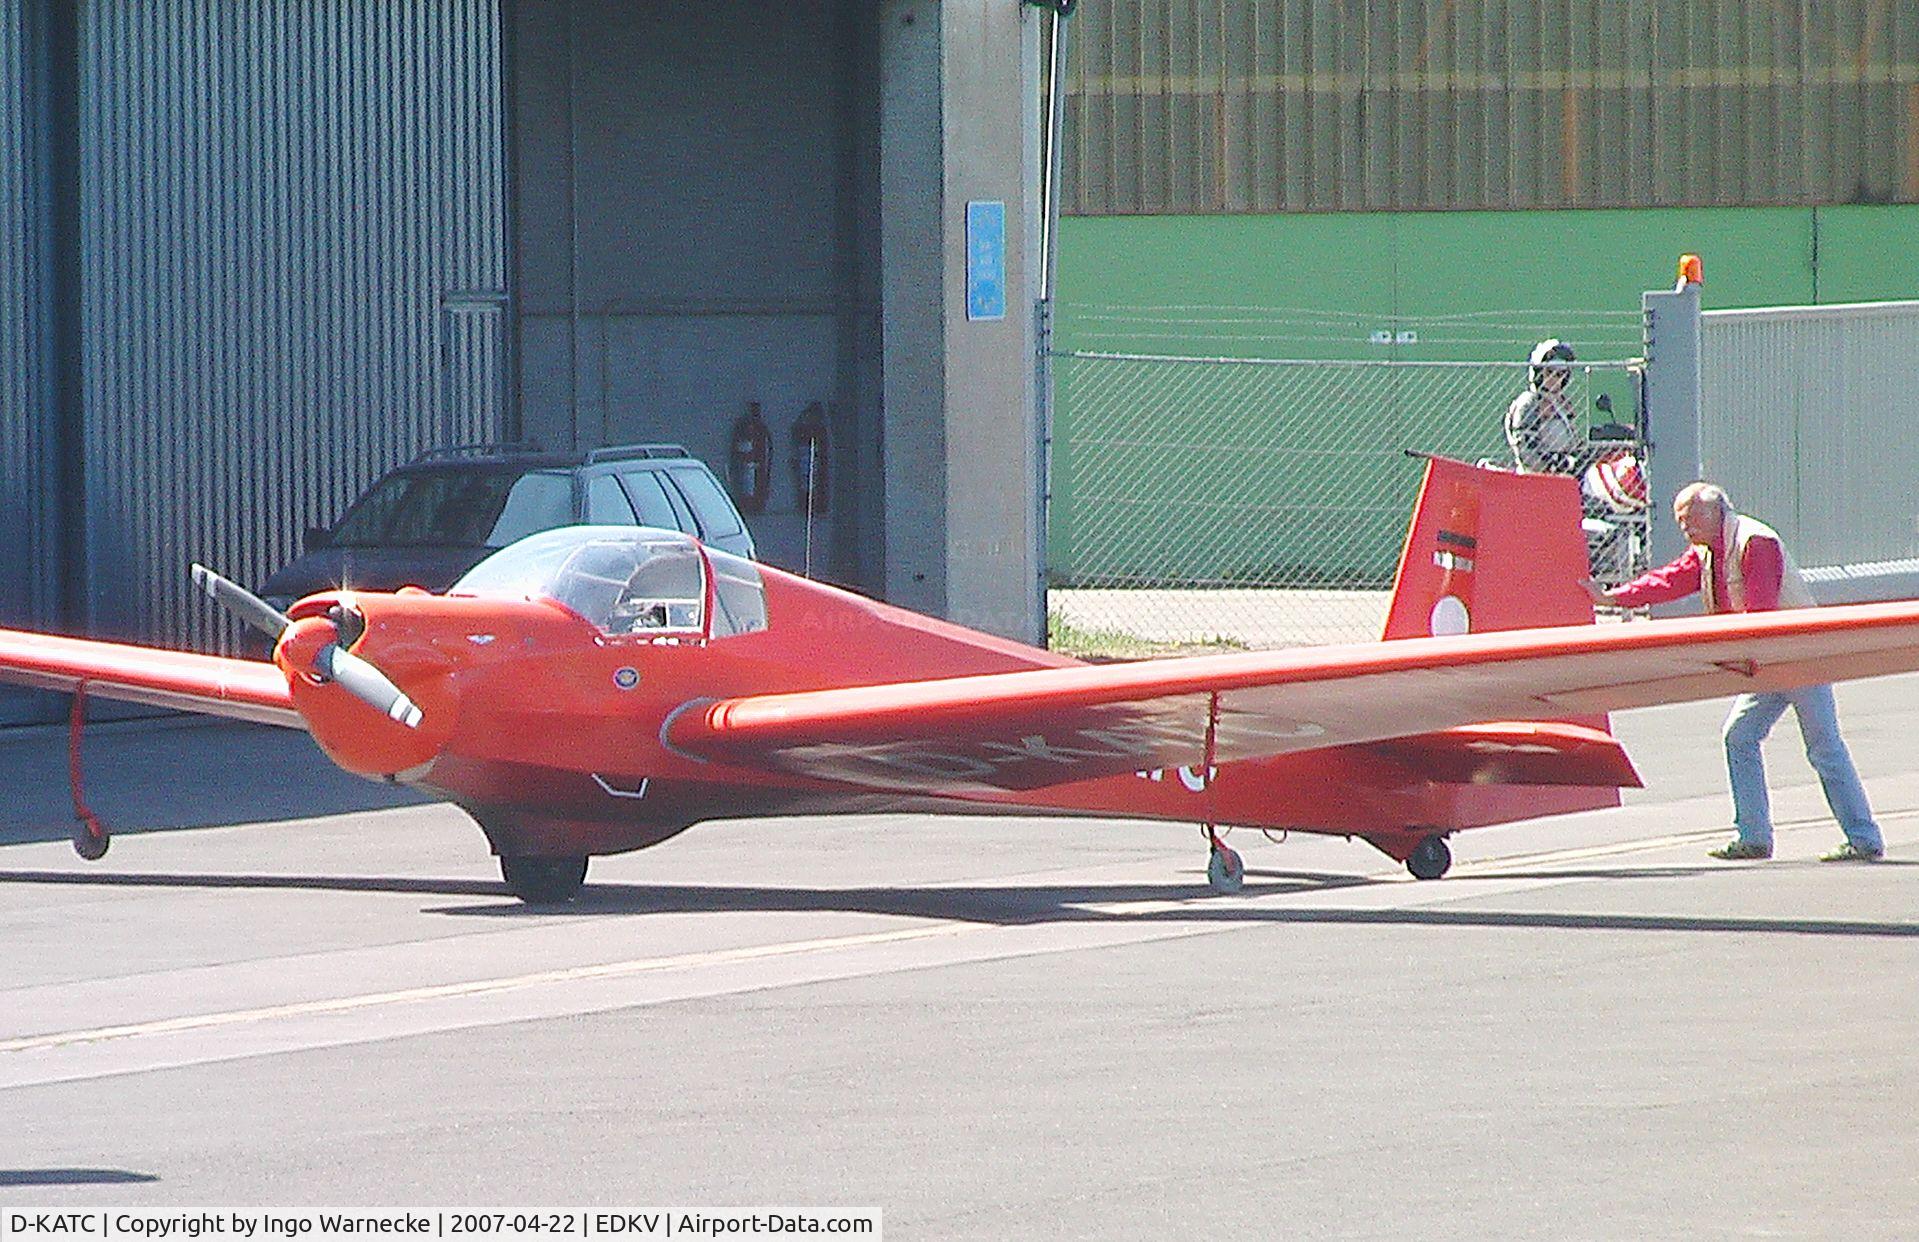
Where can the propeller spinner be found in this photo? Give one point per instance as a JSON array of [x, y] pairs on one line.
[[333, 662]]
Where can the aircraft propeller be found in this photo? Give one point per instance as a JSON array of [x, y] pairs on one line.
[[241, 602], [333, 662]]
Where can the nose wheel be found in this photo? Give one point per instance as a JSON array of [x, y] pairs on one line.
[[1430, 859]]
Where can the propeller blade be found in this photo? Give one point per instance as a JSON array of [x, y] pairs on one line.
[[366, 683], [241, 602]]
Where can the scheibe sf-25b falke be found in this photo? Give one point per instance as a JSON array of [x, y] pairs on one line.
[[591, 690]]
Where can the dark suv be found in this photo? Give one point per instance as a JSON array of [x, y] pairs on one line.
[[436, 517]]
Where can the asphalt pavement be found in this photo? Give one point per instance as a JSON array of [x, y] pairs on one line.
[[286, 987]]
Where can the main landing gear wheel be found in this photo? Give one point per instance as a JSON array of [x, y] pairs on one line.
[[543, 881], [1430, 859], [1224, 869]]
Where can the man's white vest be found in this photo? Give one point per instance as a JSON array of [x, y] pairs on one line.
[[1739, 531]]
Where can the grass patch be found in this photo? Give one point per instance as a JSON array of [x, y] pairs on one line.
[[1097, 643]]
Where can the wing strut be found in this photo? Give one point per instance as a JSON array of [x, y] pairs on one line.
[[90, 838]]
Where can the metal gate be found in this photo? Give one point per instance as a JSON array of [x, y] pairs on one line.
[[1805, 417]]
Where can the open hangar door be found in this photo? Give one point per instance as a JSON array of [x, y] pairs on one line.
[[824, 205], [696, 203]]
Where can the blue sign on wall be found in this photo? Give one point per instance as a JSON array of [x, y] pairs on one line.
[[986, 260]]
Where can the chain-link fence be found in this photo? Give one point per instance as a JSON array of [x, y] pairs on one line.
[[1263, 502]]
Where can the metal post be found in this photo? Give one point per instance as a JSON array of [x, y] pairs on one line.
[[1672, 404], [1044, 311]]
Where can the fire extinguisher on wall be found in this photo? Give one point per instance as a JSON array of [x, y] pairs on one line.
[[749, 463], [809, 461]]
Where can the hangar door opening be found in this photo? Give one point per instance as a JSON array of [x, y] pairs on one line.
[[696, 227]]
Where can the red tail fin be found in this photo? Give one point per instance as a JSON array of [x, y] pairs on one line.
[[1487, 550], [1494, 550]]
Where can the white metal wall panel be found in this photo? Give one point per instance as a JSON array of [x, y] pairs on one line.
[[1806, 418], [27, 474], [286, 207]]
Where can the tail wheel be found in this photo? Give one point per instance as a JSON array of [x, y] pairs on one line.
[[1430, 859], [1224, 870], [543, 881]]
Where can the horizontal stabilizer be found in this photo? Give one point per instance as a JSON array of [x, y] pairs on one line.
[[1516, 753]]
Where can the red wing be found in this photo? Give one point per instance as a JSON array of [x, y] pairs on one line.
[[242, 689], [1028, 729]]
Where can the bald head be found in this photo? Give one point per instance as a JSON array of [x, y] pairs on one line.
[[1701, 510]]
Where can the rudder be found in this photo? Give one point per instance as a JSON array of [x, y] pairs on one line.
[[1490, 549]]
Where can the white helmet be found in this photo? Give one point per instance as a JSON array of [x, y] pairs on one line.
[[1550, 355]]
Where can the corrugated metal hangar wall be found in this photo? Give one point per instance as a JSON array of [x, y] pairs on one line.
[[300, 187], [264, 225], [255, 252], [27, 482], [1290, 105]]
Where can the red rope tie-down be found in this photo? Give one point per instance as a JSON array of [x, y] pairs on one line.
[[90, 838]]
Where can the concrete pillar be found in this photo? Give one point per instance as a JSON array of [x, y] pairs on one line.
[[958, 139]]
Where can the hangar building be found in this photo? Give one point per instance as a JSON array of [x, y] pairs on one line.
[[254, 252]]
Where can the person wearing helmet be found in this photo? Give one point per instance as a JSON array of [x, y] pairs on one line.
[[1539, 422]]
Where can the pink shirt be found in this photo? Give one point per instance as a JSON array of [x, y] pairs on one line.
[[1764, 567]]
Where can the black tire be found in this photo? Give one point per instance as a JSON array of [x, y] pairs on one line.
[[1430, 859], [542, 881], [89, 844]]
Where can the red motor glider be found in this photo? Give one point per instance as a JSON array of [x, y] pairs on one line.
[[591, 690]]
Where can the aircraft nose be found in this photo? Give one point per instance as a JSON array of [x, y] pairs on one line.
[[301, 643], [369, 722]]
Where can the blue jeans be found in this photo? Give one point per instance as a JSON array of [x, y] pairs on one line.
[[1751, 719]]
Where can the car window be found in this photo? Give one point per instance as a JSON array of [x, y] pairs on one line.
[[476, 508], [365, 523], [537, 501], [718, 518], [606, 504], [448, 508], [650, 500]]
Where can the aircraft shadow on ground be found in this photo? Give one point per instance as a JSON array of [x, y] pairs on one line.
[[73, 1177], [330, 792], [164, 778], [1020, 905]]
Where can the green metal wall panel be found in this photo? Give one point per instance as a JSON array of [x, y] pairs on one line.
[[1866, 254], [1165, 283], [1471, 285]]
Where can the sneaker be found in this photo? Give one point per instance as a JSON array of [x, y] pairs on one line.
[[1736, 850], [1853, 853]]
